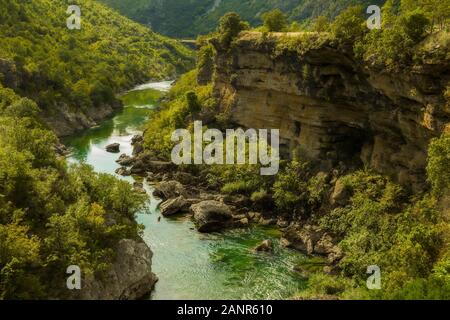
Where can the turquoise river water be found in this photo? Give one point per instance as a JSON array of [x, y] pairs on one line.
[[191, 265]]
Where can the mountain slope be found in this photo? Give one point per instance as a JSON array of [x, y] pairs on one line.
[[181, 18], [78, 72]]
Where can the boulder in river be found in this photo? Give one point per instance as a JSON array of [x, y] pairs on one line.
[[211, 215], [173, 206], [113, 148], [169, 189]]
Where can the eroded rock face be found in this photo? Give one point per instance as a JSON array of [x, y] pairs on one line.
[[334, 108], [129, 278]]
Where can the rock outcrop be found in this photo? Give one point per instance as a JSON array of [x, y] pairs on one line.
[[173, 206], [312, 240], [113, 148], [129, 278], [169, 189], [332, 107], [211, 215]]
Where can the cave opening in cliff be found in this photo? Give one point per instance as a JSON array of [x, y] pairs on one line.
[[348, 144]]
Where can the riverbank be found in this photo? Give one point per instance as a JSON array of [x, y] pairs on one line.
[[189, 264]]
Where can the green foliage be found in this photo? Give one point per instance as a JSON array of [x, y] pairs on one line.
[[237, 179], [84, 68], [400, 42], [349, 26], [321, 24], [297, 190], [193, 104], [439, 164], [52, 216], [181, 18], [275, 21], [380, 227], [415, 24], [184, 99], [230, 25]]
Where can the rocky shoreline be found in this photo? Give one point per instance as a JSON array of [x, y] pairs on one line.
[[182, 192]]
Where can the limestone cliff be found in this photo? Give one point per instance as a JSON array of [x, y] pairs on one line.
[[332, 106], [129, 278]]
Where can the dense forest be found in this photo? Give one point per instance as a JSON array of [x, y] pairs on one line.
[[179, 18], [53, 215], [40, 58], [405, 232]]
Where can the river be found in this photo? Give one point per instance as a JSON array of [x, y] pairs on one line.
[[191, 265]]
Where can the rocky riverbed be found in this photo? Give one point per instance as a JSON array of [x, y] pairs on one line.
[[183, 193]]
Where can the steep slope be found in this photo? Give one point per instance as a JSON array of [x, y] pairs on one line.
[[331, 106], [74, 74], [180, 18]]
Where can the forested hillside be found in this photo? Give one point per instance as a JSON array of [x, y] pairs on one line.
[[179, 18], [40, 58], [256, 79], [52, 215]]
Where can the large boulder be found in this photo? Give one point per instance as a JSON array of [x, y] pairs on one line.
[[113, 148], [211, 215], [125, 160], [173, 206], [129, 278], [302, 238], [312, 240], [169, 189], [145, 162]]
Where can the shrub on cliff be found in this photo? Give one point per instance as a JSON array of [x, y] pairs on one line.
[[275, 21], [230, 25], [415, 24], [439, 164], [399, 43], [320, 24]]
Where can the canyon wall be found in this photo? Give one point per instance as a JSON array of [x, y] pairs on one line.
[[333, 108]]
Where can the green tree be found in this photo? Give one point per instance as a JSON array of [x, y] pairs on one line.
[[321, 24], [415, 24], [438, 168], [230, 25], [349, 25], [275, 21]]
